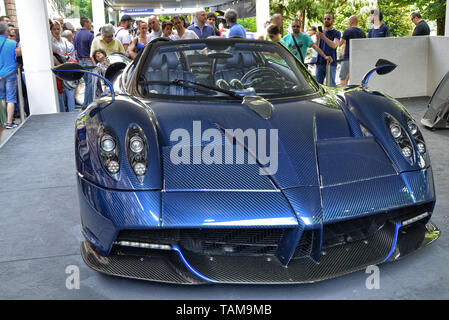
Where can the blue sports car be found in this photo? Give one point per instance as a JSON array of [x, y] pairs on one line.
[[224, 161]]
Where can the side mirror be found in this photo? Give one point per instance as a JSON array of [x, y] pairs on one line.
[[69, 71], [382, 67], [112, 70], [72, 71]]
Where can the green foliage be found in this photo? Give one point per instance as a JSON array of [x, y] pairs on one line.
[[314, 10], [430, 10], [396, 13], [162, 18], [249, 23], [79, 8], [396, 17], [356, 7], [434, 10]]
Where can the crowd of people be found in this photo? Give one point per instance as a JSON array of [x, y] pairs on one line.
[[322, 43], [318, 46], [128, 38]]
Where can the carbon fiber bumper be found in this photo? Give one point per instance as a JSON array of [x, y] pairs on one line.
[[183, 267]]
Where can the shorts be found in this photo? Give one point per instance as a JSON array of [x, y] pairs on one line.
[[8, 90], [344, 70]]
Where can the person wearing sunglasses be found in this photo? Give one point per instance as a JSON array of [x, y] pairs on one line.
[[5, 20], [328, 41], [298, 42]]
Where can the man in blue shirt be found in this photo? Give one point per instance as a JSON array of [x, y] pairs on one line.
[[201, 28], [8, 79], [83, 43], [379, 29], [235, 29], [352, 33], [327, 41]]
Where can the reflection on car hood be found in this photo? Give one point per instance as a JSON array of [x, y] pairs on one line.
[[300, 125]]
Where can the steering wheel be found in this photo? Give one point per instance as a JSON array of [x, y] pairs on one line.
[[264, 76]]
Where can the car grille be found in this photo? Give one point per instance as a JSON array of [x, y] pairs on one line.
[[341, 233], [247, 242], [264, 241]]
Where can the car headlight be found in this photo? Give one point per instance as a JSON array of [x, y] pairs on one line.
[[137, 151], [113, 166], [407, 152], [395, 130], [107, 143], [136, 144], [401, 137], [417, 136], [109, 153], [412, 127], [421, 147], [140, 169]]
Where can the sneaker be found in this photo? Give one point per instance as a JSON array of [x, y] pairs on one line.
[[10, 125]]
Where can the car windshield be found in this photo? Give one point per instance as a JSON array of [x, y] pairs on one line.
[[230, 69]]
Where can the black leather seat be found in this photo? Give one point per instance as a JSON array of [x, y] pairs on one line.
[[167, 67]]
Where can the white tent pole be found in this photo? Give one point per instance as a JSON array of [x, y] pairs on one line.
[[37, 55], [98, 14], [263, 14]]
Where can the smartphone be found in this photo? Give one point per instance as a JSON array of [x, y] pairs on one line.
[[320, 28]]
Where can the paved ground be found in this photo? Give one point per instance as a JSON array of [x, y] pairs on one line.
[[40, 232], [5, 133]]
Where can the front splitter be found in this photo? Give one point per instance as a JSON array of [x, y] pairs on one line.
[[189, 268]]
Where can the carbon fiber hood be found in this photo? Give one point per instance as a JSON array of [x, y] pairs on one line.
[[309, 131]]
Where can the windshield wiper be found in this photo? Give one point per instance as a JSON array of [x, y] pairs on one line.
[[194, 85]]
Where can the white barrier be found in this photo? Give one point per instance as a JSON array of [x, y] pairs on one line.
[[422, 63]]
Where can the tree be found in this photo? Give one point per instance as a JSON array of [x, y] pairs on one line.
[[310, 9], [433, 10], [396, 13], [356, 7], [79, 8], [396, 17], [249, 23]]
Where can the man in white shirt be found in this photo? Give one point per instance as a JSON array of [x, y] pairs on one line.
[[156, 30], [122, 33]]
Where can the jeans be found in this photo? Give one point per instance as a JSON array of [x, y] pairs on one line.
[[70, 98], [67, 98], [8, 89], [61, 102], [88, 90], [321, 74]]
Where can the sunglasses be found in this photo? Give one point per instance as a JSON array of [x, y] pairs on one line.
[[296, 27]]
